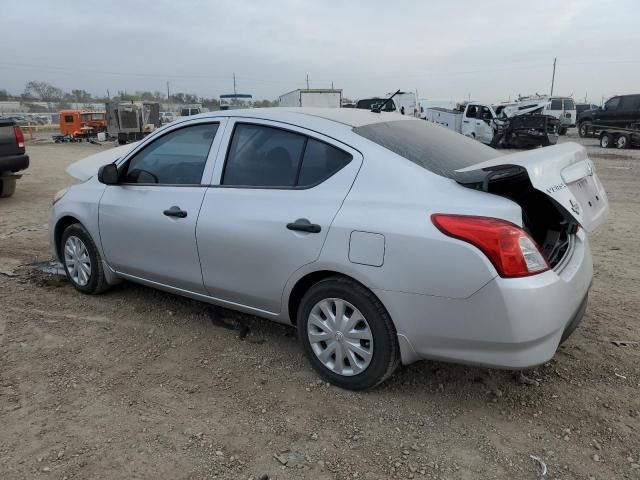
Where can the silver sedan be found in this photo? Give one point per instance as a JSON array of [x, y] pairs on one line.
[[384, 239]]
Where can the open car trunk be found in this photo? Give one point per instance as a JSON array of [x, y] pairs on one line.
[[556, 187]]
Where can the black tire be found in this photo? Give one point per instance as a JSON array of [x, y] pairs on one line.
[[606, 140], [7, 187], [584, 129], [622, 141], [563, 131], [97, 283], [386, 353]]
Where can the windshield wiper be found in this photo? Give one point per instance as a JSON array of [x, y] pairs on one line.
[[378, 109]]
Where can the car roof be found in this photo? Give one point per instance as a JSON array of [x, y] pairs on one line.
[[349, 117]]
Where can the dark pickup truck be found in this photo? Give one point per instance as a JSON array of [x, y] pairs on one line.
[[12, 156], [622, 111]]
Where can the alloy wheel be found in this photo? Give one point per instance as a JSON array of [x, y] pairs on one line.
[[340, 336], [77, 260]]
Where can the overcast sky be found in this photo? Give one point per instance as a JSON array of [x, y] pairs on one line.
[[489, 49]]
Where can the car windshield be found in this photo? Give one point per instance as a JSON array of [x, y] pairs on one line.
[[430, 146]]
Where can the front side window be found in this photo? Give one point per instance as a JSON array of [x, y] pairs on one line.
[[613, 104], [177, 158], [569, 104], [485, 113], [262, 156]]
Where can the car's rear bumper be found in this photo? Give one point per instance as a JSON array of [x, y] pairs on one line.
[[508, 323], [14, 163]]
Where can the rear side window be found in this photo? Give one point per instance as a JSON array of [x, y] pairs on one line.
[[569, 104], [177, 158], [320, 161], [472, 111], [430, 146], [632, 102], [68, 118], [556, 104], [262, 156]]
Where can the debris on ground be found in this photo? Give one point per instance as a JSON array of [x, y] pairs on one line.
[[50, 267], [9, 266], [524, 380], [625, 343], [543, 467]]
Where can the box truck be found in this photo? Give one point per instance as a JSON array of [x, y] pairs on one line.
[[316, 97]]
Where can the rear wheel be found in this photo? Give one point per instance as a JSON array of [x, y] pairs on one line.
[[606, 140], [82, 261], [7, 187], [347, 334], [583, 129], [622, 141]]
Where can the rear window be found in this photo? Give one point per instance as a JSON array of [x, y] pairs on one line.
[[369, 103], [556, 104], [430, 146]]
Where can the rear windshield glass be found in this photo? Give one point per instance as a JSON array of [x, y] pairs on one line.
[[369, 103], [431, 146]]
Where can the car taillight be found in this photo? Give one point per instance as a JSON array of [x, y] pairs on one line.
[[511, 250], [19, 137]]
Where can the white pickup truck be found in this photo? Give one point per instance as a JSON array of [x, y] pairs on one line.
[[498, 125]]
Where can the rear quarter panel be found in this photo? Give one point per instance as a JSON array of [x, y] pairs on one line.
[[394, 197]]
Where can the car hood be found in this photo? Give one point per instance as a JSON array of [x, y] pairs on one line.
[[88, 167]]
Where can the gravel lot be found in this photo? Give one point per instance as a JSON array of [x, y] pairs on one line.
[[142, 384]]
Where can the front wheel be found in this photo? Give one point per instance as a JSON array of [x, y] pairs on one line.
[[583, 129], [82, 261], [347, 334]]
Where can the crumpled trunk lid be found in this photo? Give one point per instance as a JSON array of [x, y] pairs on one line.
[[562, 172]]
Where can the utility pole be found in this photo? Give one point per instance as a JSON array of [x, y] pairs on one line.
[[307, 81], [168, 93], [234, 83], [108, 94], [331, 85], [553, 77]]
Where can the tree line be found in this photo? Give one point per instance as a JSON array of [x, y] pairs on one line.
[[39, 91]]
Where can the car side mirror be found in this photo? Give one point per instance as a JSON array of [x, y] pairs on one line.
[[108, 174]]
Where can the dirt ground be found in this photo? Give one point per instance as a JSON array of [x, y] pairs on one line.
[[142, 384]]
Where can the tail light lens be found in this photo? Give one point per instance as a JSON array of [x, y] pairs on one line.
[[19, 136], [511, 250]]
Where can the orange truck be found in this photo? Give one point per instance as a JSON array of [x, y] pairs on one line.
[[82, 123]]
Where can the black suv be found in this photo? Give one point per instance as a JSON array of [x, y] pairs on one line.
[[622, 112], [13, 158]]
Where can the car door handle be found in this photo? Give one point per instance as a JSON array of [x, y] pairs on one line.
[[465, 121], [175, 211], [304, 225]]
